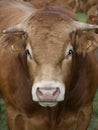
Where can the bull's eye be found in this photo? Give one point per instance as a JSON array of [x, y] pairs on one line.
[[70, 52], [28, 53]]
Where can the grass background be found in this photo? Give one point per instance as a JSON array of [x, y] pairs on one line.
[[94, 121]]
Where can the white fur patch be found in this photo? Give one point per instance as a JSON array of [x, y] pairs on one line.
[[48, 84], [48, 104]]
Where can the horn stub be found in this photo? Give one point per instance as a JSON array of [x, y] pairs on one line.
[[14, 29], [80, 26]]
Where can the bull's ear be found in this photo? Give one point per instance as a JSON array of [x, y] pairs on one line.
[[86, 42]]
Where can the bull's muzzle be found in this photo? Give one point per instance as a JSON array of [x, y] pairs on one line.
[[48, 92]]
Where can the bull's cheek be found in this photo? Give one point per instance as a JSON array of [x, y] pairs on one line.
[[96, 54], [67, 72], [31, 68]]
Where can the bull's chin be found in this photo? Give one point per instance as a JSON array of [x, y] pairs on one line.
[[48, 104]]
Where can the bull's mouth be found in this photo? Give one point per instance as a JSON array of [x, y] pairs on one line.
[[48, 104]]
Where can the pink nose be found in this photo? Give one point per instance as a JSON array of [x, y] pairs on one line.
[[48, 94]]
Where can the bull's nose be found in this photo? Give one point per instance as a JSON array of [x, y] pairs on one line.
[[47, 94]]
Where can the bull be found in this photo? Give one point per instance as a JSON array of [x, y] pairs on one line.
[[53, 86]]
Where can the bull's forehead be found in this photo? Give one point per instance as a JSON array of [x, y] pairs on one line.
[[49, 36], [49, 44], [51, 21]]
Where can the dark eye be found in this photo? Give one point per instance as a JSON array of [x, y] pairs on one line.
[[70, 52], [28, 53]]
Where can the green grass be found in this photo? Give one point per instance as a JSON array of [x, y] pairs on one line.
[[3, 125], [81, 17]]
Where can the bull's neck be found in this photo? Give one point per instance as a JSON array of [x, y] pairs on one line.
[[54, 114]]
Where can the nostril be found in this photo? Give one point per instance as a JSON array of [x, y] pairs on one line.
[[39, 92], [56, 92], [47, 94]]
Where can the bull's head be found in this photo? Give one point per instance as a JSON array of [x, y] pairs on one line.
[[49, 54]]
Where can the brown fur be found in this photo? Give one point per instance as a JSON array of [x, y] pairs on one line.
[[92, 15], [73, 5], [84, 83], [70, 4], [85, 5], [48, 34], [21, 11]]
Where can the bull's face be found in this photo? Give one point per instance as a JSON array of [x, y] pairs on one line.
[[49, 58], [49, 53], [50, 71]]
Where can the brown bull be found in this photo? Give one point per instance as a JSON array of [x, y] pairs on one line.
[[57, 63]]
